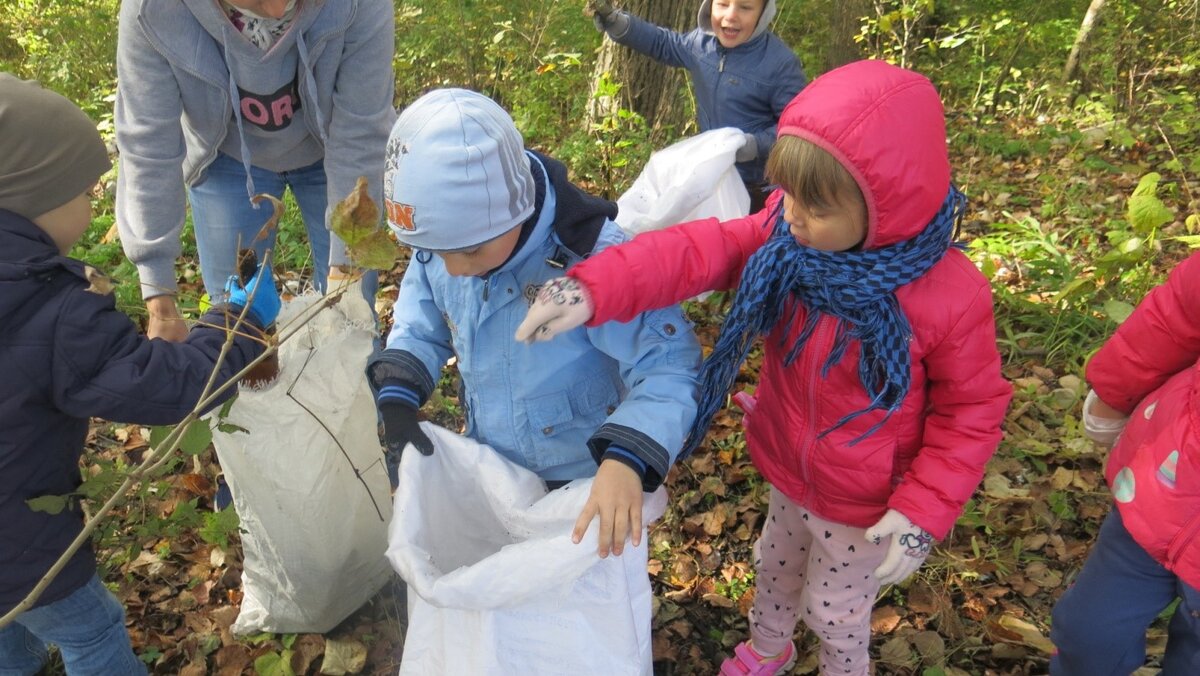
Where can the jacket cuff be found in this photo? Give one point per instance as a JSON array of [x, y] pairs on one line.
[[402, 367], [618, 26], [396, 391], [655, 458], [157, 277], [626, 457], [225, 316]]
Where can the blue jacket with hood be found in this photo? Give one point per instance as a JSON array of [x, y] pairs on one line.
[[323, 91], [68, 354], [745, 87], [553, 407]]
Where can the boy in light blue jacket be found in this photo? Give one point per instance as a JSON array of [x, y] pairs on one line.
[[742, 74], [490, 223]]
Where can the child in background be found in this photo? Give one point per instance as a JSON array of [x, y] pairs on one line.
[[742, 74], [68, 354], [880, 397], [491, 222], [1146, 377]]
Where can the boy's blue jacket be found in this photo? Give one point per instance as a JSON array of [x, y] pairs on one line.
[[67, 354], [745, 87], [553, 407]]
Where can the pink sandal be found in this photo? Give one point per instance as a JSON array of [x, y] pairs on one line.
[[747, 662]]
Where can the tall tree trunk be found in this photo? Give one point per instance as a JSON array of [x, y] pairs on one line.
[[845, 21], [1085, 30], [649, 88]]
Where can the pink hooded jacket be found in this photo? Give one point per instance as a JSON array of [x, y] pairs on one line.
[[1149, 366], [884, 124]]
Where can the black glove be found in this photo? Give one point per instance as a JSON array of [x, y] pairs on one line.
[[602, 12], [400, 428]]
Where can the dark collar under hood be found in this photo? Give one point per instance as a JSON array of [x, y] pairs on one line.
[[578, 216]]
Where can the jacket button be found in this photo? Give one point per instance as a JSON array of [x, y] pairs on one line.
[[547, 430], [670, 329], [611, 409]]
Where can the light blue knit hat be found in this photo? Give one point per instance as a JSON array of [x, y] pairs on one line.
[[456, 173]]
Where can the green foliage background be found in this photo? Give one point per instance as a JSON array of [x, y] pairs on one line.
[[997, 63]]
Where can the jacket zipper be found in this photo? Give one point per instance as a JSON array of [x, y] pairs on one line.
[[1180, 542], [721, 65], [486, 284], [814, 353]]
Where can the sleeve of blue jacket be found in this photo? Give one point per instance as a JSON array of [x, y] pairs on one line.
[[104, 368], [659, 43], [419, 344], [660, 362]]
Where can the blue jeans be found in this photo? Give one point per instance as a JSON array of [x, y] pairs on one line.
[[224, 220], [1099, 625], [88, 627]]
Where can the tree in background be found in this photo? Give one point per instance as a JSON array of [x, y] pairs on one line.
[[648, 88], [845, 24]]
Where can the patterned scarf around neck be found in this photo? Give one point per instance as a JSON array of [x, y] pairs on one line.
[[855, 287], [263, 31]]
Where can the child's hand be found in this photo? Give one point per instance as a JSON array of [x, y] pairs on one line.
[[562, 304], [1101, 422], [617, 499], [906, 552]]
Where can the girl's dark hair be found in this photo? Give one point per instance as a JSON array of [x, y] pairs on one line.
[[811, 175]]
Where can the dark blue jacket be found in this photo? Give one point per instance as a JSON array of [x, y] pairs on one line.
[[67, 354], [745, 87]]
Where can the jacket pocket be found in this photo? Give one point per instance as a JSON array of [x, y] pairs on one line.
[[560, 423]]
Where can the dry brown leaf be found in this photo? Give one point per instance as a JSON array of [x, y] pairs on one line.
[[718, 600], [343, 657], [1027, 633], [930, 646], [884, 620], [896, 651]]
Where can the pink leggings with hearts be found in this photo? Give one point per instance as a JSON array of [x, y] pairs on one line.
[[818, 571]]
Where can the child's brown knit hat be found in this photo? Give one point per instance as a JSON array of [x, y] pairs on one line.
[[50, 151]]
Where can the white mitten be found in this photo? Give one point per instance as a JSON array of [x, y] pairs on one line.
[[748, 151], [1100, 430], [907, 551], [562, 304]]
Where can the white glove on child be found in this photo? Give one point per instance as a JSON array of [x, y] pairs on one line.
[[748, 151], [562, 304], [1102, 430], [907, 551]]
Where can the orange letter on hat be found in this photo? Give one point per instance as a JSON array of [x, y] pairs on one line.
[[400, 215]]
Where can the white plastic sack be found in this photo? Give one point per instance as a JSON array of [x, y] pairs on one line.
[[693, 178], [495, 584], [307, 477]]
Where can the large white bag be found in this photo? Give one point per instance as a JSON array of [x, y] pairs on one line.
[[693, 178], [495, 584], [307, 476]]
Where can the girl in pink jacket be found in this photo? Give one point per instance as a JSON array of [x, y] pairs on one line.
[[880, 397], [1147, 553]]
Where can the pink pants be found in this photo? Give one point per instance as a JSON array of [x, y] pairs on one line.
[[818, 571]]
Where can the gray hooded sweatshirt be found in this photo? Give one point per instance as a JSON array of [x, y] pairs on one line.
[[323, 91]]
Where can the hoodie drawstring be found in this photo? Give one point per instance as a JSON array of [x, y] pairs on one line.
[[236, 99], [311, 83]]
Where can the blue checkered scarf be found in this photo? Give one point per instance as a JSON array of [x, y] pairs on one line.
[[855, 287]]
